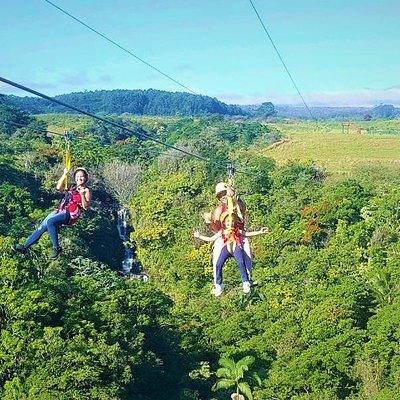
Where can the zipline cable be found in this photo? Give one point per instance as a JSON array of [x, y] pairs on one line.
[[80, 136], [219, 165], [139, 135], [228, 163], [120, 47], [280, 58], [64, 135]]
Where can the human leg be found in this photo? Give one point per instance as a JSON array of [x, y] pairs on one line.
[[35, 236], [53, 223], [248, 258], [239, 256], [217, 248], [223, 256]]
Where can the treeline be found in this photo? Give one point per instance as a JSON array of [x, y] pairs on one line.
[[140, 102], [382, 111], [322, 322]]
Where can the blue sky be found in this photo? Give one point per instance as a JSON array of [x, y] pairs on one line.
[[339, 52]]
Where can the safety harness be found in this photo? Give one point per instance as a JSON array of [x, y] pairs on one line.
[[72, 203], [231, 218]]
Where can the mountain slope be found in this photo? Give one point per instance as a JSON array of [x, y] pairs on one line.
[[140, 102]]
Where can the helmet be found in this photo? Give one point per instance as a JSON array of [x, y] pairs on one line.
[[219, 188]]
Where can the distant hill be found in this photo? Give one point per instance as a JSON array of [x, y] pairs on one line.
[[140, 102], [337, 113], [159, 102], [322, 112]]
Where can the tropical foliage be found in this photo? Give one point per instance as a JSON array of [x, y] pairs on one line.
[[141, 102], [321, 322], [232, 374]]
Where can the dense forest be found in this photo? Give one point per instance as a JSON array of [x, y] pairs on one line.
[[139, 102], [321, 323], [158, 102]]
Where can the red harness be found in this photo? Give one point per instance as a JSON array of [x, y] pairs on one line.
[[217, 224], [72, 203], [234, 235]]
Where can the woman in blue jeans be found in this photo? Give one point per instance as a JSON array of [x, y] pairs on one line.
[[76, 200]]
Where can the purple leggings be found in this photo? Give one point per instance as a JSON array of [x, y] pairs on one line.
[[242, 259]]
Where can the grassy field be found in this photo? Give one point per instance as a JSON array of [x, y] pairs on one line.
[[363, 149], [342, 151]]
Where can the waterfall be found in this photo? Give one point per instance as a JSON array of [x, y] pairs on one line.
[[129, 264]]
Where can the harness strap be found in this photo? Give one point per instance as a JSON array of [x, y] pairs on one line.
[[67, 159]]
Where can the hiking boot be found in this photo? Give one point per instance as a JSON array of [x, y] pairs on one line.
[[19, 248], [217, 290], [55, 252], [246, 287]]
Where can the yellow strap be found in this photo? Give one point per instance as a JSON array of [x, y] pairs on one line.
[[229, 218], [230, 206], [67, 164]]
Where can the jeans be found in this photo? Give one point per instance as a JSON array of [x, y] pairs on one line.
[[50, 224]]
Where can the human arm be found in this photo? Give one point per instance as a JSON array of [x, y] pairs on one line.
[[207, 216], [61, 182], [85, 197], [256, 233], [212, 238], [230, 192]]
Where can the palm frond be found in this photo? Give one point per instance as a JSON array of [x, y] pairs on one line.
[[245, 362], [224, 384], [225, 373], [227, 363], [255, 378], [245, 389]]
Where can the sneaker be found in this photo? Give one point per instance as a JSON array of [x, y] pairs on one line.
[[217, 290], [246, 287], [19, 248], [55, 252]]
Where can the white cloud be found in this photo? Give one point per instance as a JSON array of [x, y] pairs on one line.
[[82, 78], [184, 67], [362, 97], [393, 87]]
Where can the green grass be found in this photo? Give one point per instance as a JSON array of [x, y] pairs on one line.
[[375, 151]]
